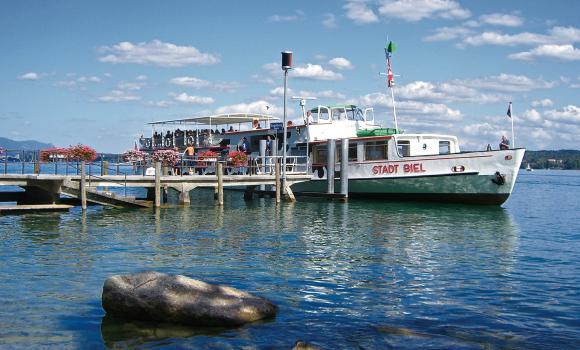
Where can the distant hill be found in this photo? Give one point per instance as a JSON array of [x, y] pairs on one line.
[[562, 159], [28, 145]]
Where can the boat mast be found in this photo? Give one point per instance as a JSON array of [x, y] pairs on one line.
[[307, 123], [389, 49]]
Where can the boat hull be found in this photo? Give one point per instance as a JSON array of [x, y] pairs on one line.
[[460, 178]]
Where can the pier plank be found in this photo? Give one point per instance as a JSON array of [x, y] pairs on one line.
[[18, 209]]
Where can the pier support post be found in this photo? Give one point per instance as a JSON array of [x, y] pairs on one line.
[[220, 185], [157, 184], [83, 187], [344, 170], [184, 196], [263, 162], [330, 164], [105, 171], [277, 172]]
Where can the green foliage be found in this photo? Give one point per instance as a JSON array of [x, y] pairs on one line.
[[562, 159]]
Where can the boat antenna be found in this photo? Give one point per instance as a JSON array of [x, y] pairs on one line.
[[303, 100], [389, 49]]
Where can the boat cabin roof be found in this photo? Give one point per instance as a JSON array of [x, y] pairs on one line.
[[347, 107], [219, 119]]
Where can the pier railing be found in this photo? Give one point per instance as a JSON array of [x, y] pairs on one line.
[[29, 162]]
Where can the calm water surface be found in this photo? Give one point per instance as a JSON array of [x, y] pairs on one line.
[[361, 275]]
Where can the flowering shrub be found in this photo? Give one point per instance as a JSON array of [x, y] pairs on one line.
[[134, 156], [206, 155], [53, 154], [238, 158], [81, 153], [167, 157]]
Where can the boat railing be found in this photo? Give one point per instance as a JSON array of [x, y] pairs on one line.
[[294, 164]]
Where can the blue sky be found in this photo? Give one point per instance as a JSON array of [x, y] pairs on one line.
[[96, 72]]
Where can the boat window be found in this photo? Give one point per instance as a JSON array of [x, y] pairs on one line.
[[404, 148], [359, 115], [338, 114], [376, 150], [322, 115], [444, 147], [369, 115], [320, 154], [352, 153]]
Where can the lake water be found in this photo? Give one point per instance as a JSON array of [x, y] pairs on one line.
[[360, 275]]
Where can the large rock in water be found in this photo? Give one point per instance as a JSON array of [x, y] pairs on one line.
[[155, 296]]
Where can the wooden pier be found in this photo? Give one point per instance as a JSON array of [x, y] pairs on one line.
[[43, 191]]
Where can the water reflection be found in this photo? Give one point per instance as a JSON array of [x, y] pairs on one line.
[[119, 333]]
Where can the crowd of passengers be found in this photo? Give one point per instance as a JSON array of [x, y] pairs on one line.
[[183, 137]]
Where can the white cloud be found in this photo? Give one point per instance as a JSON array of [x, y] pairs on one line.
[[329, 20], [287, 18], [556, 35], [455, 91], [568, 114], [91, 79], [279, 92], [66, 83], [198, 100], [341, 63], [448, 33], [141, 77], [259, 106], [417, 10], [326, 94], [433, 111], [531, 115], [29, 76], [159, 104], [156, 53], [360, 13], [315, 72], [190, 82], [507, 83], [562, 52], [118, 96], [197, 83], [480, 129], [542, 103], [131, 86], [502, 19]]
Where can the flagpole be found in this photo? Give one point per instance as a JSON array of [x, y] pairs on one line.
[[395, 109], [513, 135], [389, 49]]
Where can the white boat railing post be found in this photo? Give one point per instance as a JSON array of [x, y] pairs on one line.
[[262, 166], [330, 161], [344, 169]]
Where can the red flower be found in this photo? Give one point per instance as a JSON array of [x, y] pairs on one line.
[[238, 158]]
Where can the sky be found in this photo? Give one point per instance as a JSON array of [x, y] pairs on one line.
[[96, 72]]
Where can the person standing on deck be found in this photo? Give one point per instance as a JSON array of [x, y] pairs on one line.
[[189, 153], [504, 144]]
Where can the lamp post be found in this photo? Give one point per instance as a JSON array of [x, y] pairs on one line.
[[286, 66]]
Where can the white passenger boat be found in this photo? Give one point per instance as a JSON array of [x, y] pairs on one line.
[[383, 163]]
